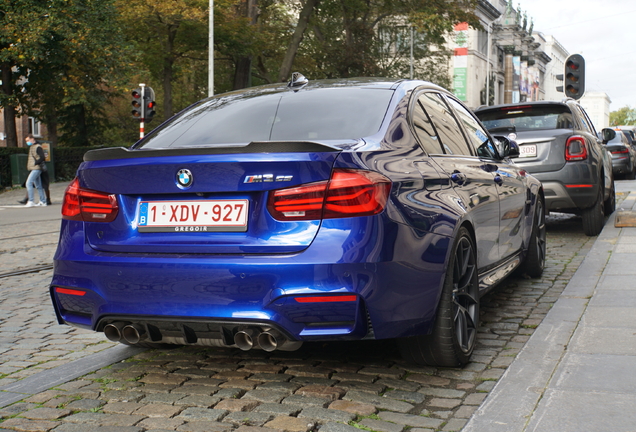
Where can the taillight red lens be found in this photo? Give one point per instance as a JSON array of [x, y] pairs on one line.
[[620, 151], [88, 205], [349, 193], [575, 149], [70, 291]]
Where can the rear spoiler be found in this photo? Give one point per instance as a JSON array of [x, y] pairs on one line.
[[253, 147]]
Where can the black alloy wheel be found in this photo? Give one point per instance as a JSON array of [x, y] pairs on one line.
[[465, 297], [454, 335], [534, 262]]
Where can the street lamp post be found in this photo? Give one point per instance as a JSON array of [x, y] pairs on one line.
[[211, 51]]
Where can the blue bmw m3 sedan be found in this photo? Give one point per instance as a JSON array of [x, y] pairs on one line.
[[308, 211]]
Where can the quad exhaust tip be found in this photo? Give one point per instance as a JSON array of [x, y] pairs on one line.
[[120, 332], [113, 331], [246, 339], [133, 333]]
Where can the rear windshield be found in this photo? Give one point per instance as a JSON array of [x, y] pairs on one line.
[[525, 118], [306, 115], [618, 139]]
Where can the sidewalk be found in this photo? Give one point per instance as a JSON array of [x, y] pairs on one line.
[[577, 371], [11, 197]]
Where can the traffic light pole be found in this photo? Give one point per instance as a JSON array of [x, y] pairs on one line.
[[142, 121]]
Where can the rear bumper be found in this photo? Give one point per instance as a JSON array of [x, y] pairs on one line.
[[570, 190], [386, 298], [621, 166]]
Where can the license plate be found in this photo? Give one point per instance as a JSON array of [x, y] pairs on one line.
[[528, 150], [193, 216]]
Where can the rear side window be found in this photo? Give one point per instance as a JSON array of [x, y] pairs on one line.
[[308, 114], [424, 129], [527, 117], [446, 126], [476, 134]]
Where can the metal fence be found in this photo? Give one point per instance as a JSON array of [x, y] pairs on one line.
[[65, 159]]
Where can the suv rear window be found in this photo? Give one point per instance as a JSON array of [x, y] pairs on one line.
[[527, 117], [306, 115]]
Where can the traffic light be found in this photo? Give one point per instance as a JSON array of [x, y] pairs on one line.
[[574, 76], [150, 104], [136, 103]]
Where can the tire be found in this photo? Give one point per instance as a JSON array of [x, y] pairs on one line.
[[455, 330], [594, 217], [610, 204], [534, 262], [631, 175]]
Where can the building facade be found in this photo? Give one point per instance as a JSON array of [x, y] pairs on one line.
[[24, 125], [508, 62], [597, 106], [503, 63], [558, 54]]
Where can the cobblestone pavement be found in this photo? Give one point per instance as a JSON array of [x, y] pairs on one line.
[[331, 387]]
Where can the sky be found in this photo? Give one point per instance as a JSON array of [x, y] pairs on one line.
[[603, 32]]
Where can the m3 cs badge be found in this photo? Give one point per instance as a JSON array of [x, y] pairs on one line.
[[267, 178]]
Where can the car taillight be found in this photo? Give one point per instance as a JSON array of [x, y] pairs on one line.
[[88, 205], [348, 193], [620, 151], [575, 149]]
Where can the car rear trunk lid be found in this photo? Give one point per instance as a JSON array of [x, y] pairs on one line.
[[222, 210], [542, 151]]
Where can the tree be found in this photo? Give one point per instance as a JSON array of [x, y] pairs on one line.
[[23, 26], [64, 57], [171, 38], [349, 37], [625, 116]]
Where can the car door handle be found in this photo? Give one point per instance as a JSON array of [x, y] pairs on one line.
[[458, 178], [498, 179]]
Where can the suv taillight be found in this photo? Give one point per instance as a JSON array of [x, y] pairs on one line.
[[575, 149], [349, 193], [88, 205]]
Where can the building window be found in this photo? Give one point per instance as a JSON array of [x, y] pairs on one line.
[[34, 127], [482, 42]]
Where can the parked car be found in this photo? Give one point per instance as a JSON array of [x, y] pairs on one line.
[[623, 156], [314, 211], [629, 134], [559, 146]]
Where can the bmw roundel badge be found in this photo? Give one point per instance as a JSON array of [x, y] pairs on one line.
[[184, 178]]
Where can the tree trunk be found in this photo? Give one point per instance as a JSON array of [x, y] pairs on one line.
[[243, 73], [82, 127], [168, 63], [10, 131], [167, 88], [51, 128], [297, 37]]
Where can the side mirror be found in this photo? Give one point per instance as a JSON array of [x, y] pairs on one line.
[[509, 148], [608, 135]]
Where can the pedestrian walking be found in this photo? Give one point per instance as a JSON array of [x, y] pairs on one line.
[[35, 165]]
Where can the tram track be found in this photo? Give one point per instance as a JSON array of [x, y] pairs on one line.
[[27, 270], [29, 235]]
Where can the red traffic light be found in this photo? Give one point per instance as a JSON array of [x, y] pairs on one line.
[[150, 104], [136, 94]]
